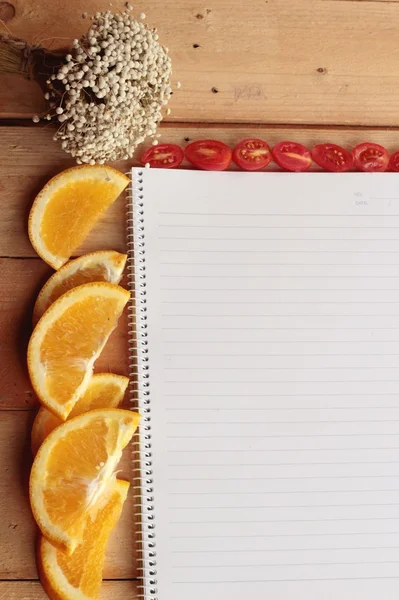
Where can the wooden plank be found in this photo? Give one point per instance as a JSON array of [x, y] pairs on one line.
[[20, 97], [20, 282], [30, 590], [29, 157], [17, 528], [275, 61], [109, 234]]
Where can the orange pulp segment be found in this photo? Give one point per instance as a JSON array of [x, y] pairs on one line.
[[105, 390]]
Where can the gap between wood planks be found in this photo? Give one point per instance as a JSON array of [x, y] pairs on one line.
[[32, 590], [238, 124], [369, 1]]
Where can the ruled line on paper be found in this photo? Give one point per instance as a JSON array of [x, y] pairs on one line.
[[279, 239], [290, 492], [262, 302], [235, 551], [267, 422], [289, 408], [351, 314], [289, 214], [278, 535], [280, 328], [281, 315], [240, 409], [211, 226], [246, 289], [263, 368], [290, 507], [221, 566], [279, 342], [284, 464], [274, 408], [268, 264], [268, 450], [288, 478], [315, 251], [280, 290], [243, 355], [273, 395], [252, 581], [278, 395], [169, 381], [185, 276], [285, 521], [309, 435]]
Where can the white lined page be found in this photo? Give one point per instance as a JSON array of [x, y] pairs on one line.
[[273, 329]]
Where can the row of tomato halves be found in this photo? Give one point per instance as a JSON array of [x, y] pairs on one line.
[[253, 154]]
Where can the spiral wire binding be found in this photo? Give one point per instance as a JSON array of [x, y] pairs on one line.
[[139, 390]]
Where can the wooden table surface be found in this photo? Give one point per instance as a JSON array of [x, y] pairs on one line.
[[305, 70]]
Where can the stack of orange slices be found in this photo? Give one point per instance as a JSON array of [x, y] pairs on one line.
[[79, 433]]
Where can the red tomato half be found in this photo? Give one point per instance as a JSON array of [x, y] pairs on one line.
[[210, 155], [164, 156], [394, 162], [292, 156], [370, 157], [252, 154], [332, 157]]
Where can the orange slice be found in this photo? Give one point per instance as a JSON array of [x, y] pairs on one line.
[[105, 390], [97, 266], [68, 207], [74, 469], [79, 576], [67, 341]]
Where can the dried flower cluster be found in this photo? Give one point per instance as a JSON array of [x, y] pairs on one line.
[[109, 94]]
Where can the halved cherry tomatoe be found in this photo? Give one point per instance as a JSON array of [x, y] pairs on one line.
[[292, 156], [164, 156], [332, 157], [252, 154], [210, 155], [394, 162], [370, 157]]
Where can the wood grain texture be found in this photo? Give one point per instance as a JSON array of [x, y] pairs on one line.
[[21, 280], [23, 174], [30, 590], [270, 61], [17, 528]]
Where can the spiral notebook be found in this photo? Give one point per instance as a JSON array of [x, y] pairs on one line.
[[267, 329]]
